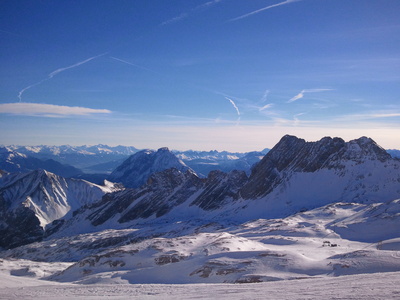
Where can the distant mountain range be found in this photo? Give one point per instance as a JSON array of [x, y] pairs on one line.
[[81, 157], [95, 163], [13, 161], [305, 209]]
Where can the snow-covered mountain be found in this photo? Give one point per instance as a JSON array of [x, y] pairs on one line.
[[394, 153], [103, 159], [13, 161], [298, 175], [203, 162], [135, 170], [294, 176], [82, 157], [30, 201], [308, 209], [64, 150]]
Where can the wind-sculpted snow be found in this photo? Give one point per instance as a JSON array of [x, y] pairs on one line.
[[305, 245], [300, 246]]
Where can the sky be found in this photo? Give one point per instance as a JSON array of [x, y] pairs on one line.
[[231, 75]]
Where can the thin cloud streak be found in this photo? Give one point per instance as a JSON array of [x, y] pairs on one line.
[[369, 116], [262, 9], [234, 105], [266, 107], [301, 94], [54, 73], [175, 19], [264, 97], [187, 14], [28, 87], [134, 65], [48, 110]]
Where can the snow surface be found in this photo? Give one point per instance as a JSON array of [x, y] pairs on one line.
[[319, 243], [366, 286]]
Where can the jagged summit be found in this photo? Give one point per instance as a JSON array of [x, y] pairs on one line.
[[135, 170], [293, 154]]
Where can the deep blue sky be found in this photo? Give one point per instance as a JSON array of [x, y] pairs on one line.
[[198, 74]]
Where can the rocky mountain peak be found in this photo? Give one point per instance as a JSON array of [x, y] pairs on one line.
[[136, 170], [364, 148], [293, 154]]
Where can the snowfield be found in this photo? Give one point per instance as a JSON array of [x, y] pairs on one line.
[[298, 257], [365, 286]]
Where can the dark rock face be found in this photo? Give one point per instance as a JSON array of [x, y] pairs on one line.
[[220, 188], [292, 154], [18, 227], [135, 171], [163, 191], [167, 190]]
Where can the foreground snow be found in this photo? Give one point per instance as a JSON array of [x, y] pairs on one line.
[[366, 286]]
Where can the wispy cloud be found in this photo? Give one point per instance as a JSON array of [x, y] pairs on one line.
[[301, 94], [296, 118], [264, 97], [270, 105], [234, 105], [48, 110], [185, 15], [134, 65], [175, 19], [378, 114], [54, 73], [262, 9]]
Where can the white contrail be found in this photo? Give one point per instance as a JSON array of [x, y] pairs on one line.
[[234, 105], [301, 94], [54, 73], [28, 87], [134, 65], [262, 9], [187, 14]]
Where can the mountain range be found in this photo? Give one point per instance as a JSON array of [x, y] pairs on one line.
[[95, 163], [306, 209]]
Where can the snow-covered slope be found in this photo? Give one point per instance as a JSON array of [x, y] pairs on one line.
[[304, 245], [135, 171], [378, 286], [30, 201]]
